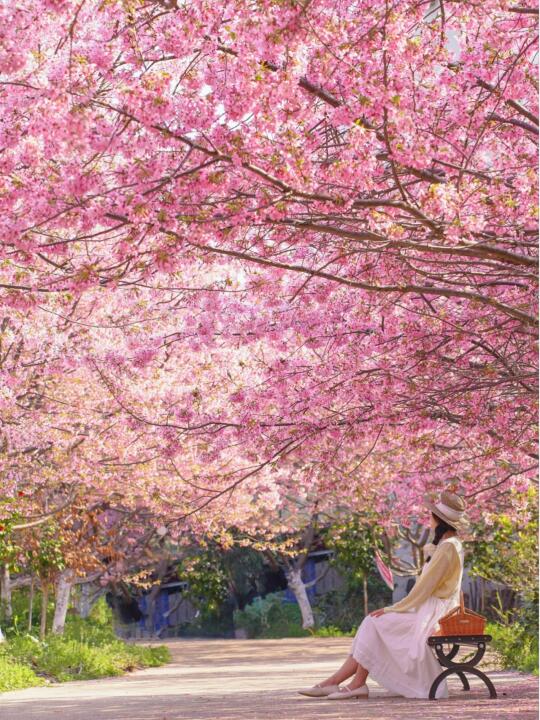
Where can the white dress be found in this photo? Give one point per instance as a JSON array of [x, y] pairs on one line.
[[393, 646]]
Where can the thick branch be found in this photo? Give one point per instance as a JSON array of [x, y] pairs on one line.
[[402, 289]]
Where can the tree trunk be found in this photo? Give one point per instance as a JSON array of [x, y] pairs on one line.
[[482, 595], [85, 601], [5, 594], [296, 584], [44, 603], [63, 591], [476, 603], [31, 605], [87, 598], [366, 597]]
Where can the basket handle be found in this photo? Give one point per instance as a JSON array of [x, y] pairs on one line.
[[461, 602]]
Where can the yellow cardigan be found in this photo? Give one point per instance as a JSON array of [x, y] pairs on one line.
[[440, 578]]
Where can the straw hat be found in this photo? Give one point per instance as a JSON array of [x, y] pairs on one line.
[[450, 508]]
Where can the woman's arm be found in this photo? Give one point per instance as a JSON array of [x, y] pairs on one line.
[[442, 564]]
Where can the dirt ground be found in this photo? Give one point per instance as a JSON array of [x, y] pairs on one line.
[[257, 680]]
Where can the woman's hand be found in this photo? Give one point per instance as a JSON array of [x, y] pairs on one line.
[[377, 613]]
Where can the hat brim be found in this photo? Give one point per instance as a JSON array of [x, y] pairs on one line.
[[461, 524]]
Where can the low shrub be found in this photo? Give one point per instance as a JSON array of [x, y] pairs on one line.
[[332, 631], [516, 645], [270, 617], [62, 658], [88, 649], [15, 675], [337, 614], [515, 634]]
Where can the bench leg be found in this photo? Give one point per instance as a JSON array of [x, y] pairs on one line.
[[450, 671], [464, 681]]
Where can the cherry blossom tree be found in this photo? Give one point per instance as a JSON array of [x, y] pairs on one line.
[[234, 240]]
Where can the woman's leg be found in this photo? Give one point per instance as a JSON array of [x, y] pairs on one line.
[[348, 668], [360, 677]]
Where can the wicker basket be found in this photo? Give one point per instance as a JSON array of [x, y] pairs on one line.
[[462, 621]]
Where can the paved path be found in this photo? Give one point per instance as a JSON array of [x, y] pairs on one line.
[[256, 680]]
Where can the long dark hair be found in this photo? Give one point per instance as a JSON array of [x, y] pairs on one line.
[[440, 530]]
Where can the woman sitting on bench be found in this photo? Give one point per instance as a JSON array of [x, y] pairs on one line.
[[391, 643]]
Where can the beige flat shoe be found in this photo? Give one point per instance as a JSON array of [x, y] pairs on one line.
[[346, 694], [318, 691]]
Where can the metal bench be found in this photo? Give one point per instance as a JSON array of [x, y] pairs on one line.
[[460, 668]]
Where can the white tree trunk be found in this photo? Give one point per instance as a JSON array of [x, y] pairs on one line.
[[63, 591], [296, 584], [5, 593]]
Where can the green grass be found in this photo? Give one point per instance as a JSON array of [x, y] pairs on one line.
[[68, 658], [15, 675], [88, 650]]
